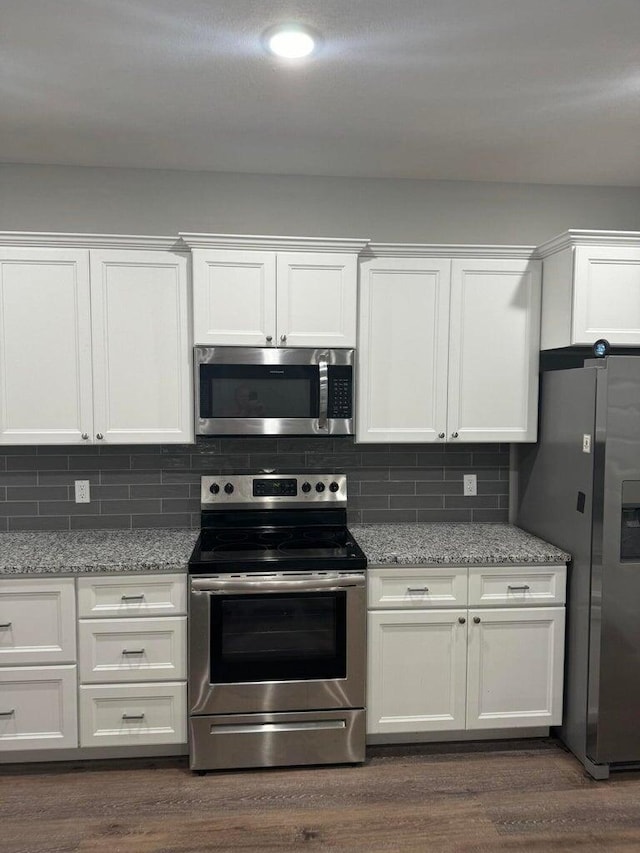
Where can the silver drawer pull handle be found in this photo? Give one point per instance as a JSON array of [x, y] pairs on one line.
[[524, 587], [133, 651], [5, 625], [418, 589], [133, 716], [7, 713], [133, 597]]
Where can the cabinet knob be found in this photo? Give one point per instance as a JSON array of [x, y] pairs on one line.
[[85, 436], [99, 436], [476, 619], [454, 435], [461, 620], [269, 338], [283, 339], [440, 435]]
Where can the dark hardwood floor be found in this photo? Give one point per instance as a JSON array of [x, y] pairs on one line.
[[515, 796]]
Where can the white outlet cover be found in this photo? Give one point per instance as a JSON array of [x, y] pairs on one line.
[[470, 485], [586, 443], [83, 493]]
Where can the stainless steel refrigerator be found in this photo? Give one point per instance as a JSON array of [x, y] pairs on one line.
[[579, 488]]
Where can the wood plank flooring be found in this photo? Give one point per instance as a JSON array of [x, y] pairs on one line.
[[509, 796]]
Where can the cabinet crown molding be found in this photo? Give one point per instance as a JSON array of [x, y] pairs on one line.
[[88, 241], [283, 244], [444, 250], [580, 237]]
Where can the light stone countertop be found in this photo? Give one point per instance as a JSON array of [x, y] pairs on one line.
[[455, 543], [168, 549]]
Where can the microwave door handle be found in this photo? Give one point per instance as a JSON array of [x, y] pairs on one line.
[[324, 395]]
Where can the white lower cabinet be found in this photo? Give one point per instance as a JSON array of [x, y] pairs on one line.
[[38, 707], [446, 662], [119, 715], [133, 662]]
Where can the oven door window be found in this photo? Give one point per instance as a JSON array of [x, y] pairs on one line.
[[278, 637], [258, 391]]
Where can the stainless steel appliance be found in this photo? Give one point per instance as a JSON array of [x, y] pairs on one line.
[[277, 625], [273, 391], [579, 487]]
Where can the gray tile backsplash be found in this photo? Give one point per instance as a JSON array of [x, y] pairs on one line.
[[158, 486]]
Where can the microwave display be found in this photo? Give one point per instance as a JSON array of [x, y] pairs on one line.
[[273, 391]]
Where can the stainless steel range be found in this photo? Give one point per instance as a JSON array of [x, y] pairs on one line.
[[277, 625]]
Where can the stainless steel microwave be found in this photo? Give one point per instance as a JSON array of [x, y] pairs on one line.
[[273, 391]]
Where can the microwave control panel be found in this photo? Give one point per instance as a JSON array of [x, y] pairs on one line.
[[340, 392]]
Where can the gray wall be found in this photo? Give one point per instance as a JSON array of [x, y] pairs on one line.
[[159, 486], [137, 201]]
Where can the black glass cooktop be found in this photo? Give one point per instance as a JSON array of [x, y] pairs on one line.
[[275, 549]]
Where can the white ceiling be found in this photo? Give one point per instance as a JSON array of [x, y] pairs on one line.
[[543, 91]]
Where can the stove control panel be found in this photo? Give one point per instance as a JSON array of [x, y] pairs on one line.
[[268, 490]]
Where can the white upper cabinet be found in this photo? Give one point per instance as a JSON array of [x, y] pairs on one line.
[[448, 346], [45, 346], [94, 343], [591, 289], [274, 291], [141, 349], [402, 349]]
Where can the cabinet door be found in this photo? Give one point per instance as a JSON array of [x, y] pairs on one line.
[[515, 667], [606, 295], [316, 299], [416, 671], [37, 621], [234, 297], [38, 707], [141, 347], [402, 350], [45, 346], [493, 350]]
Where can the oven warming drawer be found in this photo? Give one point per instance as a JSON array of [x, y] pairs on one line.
[[231, 741]]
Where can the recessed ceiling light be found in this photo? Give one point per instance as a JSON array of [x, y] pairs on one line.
[[290, 41]]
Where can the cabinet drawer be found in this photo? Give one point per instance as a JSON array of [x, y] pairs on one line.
[[120, 714], [132, 595], [517, 586], [38, 708], [418, 587], [133, 649], [37, 621]]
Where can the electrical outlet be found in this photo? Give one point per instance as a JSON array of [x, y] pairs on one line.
[[586, 443], [83, 495], [470, 485]]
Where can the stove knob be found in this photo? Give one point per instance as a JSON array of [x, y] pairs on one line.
[[228, 489], [319, 487], [334, 487], [214, 488], [306, 487]]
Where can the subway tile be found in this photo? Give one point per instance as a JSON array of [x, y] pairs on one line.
[[369, 502], [471, 447], [99, 463], [141, 461], [492, 515], [250, 445], [179, 505], [416, 474], [37, 493], [492, 487], [190, 477], [67, 507], [310, 444], [4, 523], [431, 460], [129, 507], [362, 475], [162, 520], [100, 522], [65, 450], [129, 449], [50, 522], [162, 490], [481, 473], [8, 508], [3, 463], [464, 502], [25, 450], [3, 494], [446, 487], [331, 461], [114, 478], [354, 516], [434, 515], [386, 487], [277, 462], [204, 445], [108, 493], [416, 501], [490, 460], [503, 502], [18, 478], [37, 463], [215, 464], [388, 516], [390, 460]]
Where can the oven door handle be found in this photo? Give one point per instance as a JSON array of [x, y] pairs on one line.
[[266, 585]]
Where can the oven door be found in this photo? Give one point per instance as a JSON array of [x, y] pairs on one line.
[[288, 642]]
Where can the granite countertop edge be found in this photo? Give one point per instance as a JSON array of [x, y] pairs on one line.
[[167, 550]]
